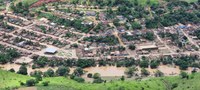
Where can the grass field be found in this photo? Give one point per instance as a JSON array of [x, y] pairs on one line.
[[143, 2], [29, 2], [8, 79], [190, 0], [61, 83]]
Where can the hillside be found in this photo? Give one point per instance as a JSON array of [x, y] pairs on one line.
[[12, 80]]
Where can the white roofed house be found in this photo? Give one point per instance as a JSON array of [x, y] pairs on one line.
[[50, 51]]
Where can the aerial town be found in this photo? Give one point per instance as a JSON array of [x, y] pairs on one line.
[[101, 40]]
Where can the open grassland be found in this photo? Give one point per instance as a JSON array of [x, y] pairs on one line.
[[190, 1], [29, 2], [8, 79], [144, 2], [193, 83], [61, 82]]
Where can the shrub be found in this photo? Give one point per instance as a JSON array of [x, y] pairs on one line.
[[89, 75], [79, 79], [46, 83], [12, 70], [96, 76], [30, 82]]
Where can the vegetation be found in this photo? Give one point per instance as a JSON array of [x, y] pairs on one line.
[[110, 40], [131, 71], [76, 23], [62, 71], [132, 47], [7, 54], [11, 80], [22, 70]]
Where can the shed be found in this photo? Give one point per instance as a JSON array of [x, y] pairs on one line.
[[50, 50]]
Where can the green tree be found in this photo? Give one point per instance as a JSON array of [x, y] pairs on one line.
[[22, 70], [144, 72], [61, 71], [158, 73], [122, 78], [144, 63], [83, 63], [98, 80], [89, 75], [30, 82], [131, 71], [79, 79], [131, 47], [149, 36], [96, 75], [49, 73], [78, 71], [45, 83], [154, 64], [12, 70], [184, 75], [136, 25], [37, 75], [41, 61]]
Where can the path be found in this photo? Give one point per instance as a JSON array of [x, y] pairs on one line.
[[158, 37], [189, 39]]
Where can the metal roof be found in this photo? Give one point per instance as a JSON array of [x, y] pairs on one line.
[[50, 50]]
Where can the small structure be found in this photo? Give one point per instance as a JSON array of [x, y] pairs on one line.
[[21, 44], [50, 51], [90, 13]]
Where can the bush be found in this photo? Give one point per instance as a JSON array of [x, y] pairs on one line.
[[72, 76], [30, 82], [144, 63], [96, 76], [33, 66], [12, 70], [98, 80], [22, 83], [46, 83], [144, 72], [89, 75], [79, 79], [78, 71], [132, 47], [122, 78], [22, 70], [61, 71], [49, 73], [174, 85], [184, 75]]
